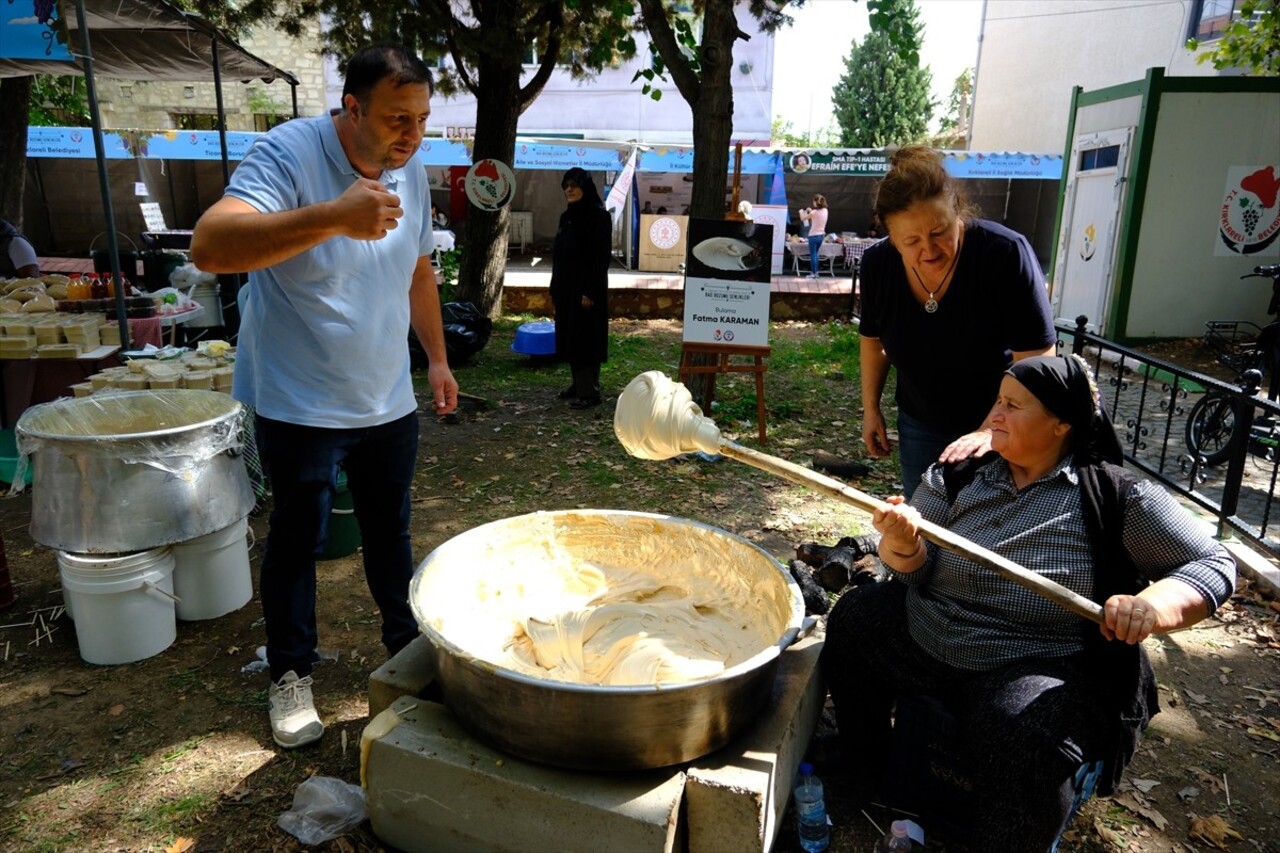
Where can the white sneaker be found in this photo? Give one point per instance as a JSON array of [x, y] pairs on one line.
[[294, 721]]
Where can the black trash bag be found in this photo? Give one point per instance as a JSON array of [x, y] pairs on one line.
[[466, 331]]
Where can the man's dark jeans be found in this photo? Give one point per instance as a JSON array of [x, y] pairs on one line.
[[302, 463]]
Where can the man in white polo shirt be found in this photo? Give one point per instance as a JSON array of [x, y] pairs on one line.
[[331, 217]]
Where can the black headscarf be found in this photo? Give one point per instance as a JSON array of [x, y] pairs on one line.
[[1066, 387], [590, 195]]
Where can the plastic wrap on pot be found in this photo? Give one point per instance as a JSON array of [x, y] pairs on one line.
[[136, 470]]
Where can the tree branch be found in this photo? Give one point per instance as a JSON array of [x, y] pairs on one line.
[[664, 40], [555, 25]]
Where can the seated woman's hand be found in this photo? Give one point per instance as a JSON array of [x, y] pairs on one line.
[[1128, 618], [899, 527]]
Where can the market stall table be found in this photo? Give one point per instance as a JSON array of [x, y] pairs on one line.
[[445, 241], [828, 254], [25, 382], [853, 250]]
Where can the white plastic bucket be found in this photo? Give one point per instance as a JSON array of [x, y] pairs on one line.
[[123, 603], [209, 296], [211, 576]]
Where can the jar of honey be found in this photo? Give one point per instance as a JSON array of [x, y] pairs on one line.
[[78, 287]]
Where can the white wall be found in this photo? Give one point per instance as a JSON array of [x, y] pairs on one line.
[[1034, 51], [1179, 281], [611, 107]]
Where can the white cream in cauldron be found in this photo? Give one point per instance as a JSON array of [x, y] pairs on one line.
[[608, 599]]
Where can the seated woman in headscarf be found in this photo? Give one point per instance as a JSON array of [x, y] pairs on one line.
[[1038, 690]]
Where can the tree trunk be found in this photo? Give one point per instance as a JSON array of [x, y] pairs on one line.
[[482, 266], [712, 130], [15, 98], [713, 116]]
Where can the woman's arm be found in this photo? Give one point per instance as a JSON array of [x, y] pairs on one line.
[[1192, 574], [874, 365], [1166, 605], [901, 546]]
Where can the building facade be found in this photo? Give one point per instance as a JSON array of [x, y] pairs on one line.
[[1033, 53], [608, 106]]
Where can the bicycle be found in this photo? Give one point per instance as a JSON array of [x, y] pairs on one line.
[[1245, 348]]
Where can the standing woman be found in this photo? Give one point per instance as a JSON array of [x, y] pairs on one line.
[[950, 301], [816, 216], [580, 287]]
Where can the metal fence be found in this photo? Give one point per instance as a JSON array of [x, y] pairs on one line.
[[1152, 401]]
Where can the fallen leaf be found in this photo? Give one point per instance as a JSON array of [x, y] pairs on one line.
[[1144, 785], [68, 691], [180, 845], [115, 710], [1108, 834], [1198, 698], [1188, 793], [1257, 732], [1212, 830]]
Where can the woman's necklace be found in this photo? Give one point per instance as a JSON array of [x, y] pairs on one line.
[[931, 304]]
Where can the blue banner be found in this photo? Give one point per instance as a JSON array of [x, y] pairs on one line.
[[680, 160], [26, 31], [988, 164]]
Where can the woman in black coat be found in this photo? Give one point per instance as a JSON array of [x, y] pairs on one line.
[[580, 287]]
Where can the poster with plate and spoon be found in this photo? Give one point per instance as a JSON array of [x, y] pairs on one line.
[[726, 289]]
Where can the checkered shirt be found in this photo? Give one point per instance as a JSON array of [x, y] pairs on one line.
[[970, 617]]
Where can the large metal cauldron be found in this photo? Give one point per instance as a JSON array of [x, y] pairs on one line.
[[132, 471], [596, 727]]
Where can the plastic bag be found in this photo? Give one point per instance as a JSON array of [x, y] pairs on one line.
[[466, 331], [324, 808]]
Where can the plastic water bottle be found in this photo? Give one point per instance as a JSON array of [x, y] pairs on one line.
[[811, 812], [896, 840]]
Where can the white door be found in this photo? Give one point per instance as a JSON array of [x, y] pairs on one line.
[[1086, 266]]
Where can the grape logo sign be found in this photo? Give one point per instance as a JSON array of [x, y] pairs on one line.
[[490, 184], [1249, 219]]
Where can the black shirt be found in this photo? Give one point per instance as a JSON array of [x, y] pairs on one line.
[[949, 363]]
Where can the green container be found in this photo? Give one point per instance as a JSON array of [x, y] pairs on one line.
[[9, 458], [344, 532]]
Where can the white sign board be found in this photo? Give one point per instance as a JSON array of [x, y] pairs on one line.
[[775, 215], [152, 216], [717, 311]]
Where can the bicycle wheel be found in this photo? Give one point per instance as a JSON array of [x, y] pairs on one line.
[[1210, 427]]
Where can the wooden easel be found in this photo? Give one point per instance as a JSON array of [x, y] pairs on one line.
[[721, 363]]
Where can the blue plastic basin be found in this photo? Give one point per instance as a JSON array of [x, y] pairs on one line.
[[535, 338]]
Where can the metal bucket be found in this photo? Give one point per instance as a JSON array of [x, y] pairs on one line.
[[133, 471], [587, 726]]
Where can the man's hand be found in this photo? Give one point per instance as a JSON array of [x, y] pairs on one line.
[[367, 210], [444, 388]]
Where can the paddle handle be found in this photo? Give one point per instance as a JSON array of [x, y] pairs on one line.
[[939, 536]]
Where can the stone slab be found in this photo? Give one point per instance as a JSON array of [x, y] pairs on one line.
[[736, 797], [431, 787], [407, 673]]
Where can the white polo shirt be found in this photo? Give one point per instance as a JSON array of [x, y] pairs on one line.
[[324, 337]]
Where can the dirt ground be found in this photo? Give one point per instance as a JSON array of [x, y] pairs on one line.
[[174, 752]]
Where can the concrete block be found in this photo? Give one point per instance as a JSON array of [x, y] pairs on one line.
[[735, 797], [430, 786], [408, 673]]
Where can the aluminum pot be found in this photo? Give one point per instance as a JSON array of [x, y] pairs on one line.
[[587, 726], [137, 470]]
